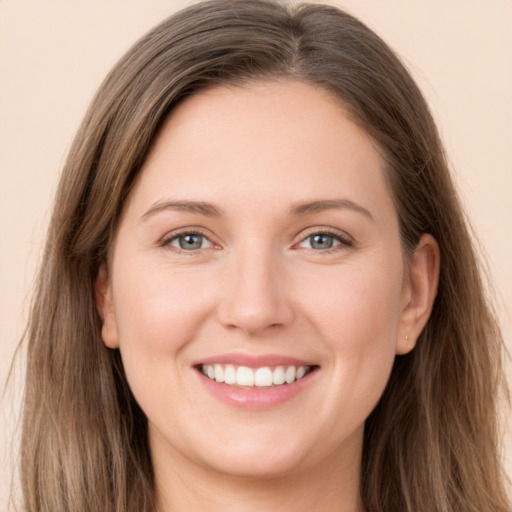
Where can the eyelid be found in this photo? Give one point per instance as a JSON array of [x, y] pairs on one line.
[[344, 238], [189, 230]]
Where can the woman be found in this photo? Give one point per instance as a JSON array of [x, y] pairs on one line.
[[259, 290]]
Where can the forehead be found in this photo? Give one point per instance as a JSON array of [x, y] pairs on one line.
[[283, 140]]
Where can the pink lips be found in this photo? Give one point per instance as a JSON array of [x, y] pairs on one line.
[[252, 398], [253, 361]]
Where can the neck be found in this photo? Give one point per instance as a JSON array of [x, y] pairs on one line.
[[331, 486]]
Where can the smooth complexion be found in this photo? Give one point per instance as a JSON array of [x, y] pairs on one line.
[[261, 233]]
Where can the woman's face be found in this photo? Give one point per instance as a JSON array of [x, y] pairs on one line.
[[259, 246]]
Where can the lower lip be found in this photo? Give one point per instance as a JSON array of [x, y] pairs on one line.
[[256, 398]]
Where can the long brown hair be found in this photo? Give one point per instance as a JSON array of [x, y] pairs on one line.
[[431, 443]]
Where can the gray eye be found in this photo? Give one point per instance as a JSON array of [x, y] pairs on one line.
[[189, 241], [321, 241]]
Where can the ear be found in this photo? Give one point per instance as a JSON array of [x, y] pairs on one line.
[[105, 307], [420, 289]]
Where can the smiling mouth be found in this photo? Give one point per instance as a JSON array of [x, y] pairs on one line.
[[262, 377]]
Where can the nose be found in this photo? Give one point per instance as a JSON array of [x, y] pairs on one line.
[[255, 297]]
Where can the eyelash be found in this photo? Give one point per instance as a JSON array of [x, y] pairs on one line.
[[168, 239], [344, 240]]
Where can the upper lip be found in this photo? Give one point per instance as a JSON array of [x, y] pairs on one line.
[[253, 360]]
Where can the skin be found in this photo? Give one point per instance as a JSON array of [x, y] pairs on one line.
[[257, 286]]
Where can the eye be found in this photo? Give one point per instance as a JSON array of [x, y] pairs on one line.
[[188, 241], [323, 241]]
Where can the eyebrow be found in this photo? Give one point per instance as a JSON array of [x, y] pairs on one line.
[[198, 207], [312, 207], [210, 210]]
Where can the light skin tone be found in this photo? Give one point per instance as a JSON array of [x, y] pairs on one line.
[[261, 224]]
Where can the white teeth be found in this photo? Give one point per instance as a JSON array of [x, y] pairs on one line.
[[219, 373], [289, 376], [301, 371], [230, 374], [278, 377], [263, 377], [244, 376]]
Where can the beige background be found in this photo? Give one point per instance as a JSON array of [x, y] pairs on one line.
[[54, 54]]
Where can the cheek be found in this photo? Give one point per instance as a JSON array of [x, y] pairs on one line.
[[356, 306], [358, 315], [158, 311]]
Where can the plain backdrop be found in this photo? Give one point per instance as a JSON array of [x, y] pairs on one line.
[[54, 54]]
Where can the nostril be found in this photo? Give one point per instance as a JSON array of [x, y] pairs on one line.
[[256, 313]]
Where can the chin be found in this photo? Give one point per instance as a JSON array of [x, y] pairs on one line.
[[268, 466], [268, 457]]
